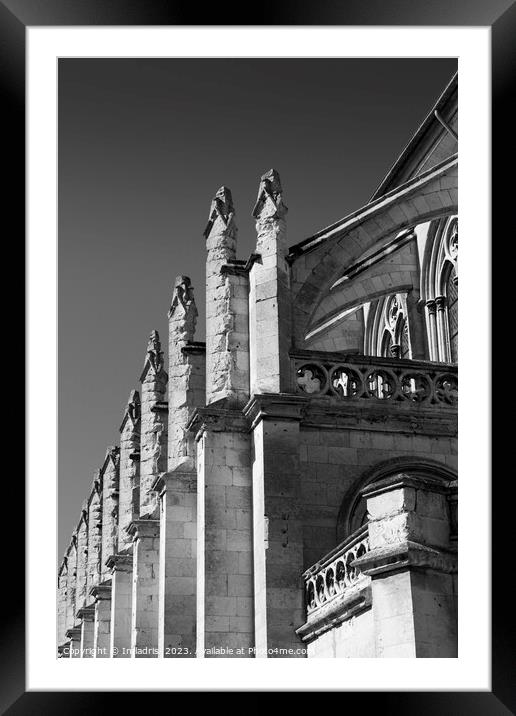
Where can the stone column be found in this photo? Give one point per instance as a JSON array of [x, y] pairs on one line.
[[72, 580], [224, 534], [412, 567], [121, 567], [94, 534], [153, 450], [62, 586], [87, 617], [227, 332], [110, 480], [442, 329], [418, 343], [102, 622], [270, 313], [82, 558], [128, 507], [74, 636], [145, 588], [178, 487], [432, 330], [277, 523]]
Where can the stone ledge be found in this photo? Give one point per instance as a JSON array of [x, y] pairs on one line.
[[275, 406], [120, 562], [217, 418], [180, 480], [334, 413], [101, 591], [160, 407], [86, 613], [406, 555], [428, 482], [194, 347], [352, 602], [143, 528]]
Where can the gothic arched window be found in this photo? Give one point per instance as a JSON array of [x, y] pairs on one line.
[[452, 296], [441, 281], [392, 329]]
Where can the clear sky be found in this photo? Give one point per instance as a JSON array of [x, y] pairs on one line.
[[143, 146]]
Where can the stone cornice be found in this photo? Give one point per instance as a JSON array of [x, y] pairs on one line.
[[143, 528], [428, 483], [217, 418], [352, 602], [275, 406], [86, 613], [406, 555], [120, 562], [160, 407], [101, 591], [179, 479], [74, 633], [333, 413], [194, 348]]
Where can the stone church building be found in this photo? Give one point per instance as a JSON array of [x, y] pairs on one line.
[[288, 488]]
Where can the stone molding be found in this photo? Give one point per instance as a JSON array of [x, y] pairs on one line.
[[217, 419], [275, 406], [179, 480], [101, 591], [194, 348], [143, 528], [120, 562], [403, 555], [74, 634], [428, 482], [86, 613], [333, 413], [352, 602]]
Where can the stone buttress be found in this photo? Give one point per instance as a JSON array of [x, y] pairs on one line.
[[224, 520], [275, 417], [144, 531], [116, 602], [178, 486]]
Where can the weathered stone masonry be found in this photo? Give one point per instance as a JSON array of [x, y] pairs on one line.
[[289, 487]]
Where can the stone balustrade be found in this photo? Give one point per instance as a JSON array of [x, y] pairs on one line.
[[357, 377], [334, 574]]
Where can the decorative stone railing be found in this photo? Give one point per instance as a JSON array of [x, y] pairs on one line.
[[357, 377], [335, 573]]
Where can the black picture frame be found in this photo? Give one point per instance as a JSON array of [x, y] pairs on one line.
[[15, 17]]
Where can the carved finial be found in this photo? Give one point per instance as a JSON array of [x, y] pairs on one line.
[[270, 197], [113, 453], [133, 406], [221, 208], [84, 510], [96, 481], [183, 295], [154, 343], [154, 356]]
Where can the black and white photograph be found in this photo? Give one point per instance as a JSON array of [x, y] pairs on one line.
[[258, 316]]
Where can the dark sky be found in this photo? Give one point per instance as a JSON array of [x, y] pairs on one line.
[[143, 146]]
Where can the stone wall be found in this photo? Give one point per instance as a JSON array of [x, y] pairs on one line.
[[353, 638]]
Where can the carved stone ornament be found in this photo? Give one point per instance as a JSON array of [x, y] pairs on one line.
[[154, 352]]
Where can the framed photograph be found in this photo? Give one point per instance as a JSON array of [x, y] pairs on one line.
[[244, 438]]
